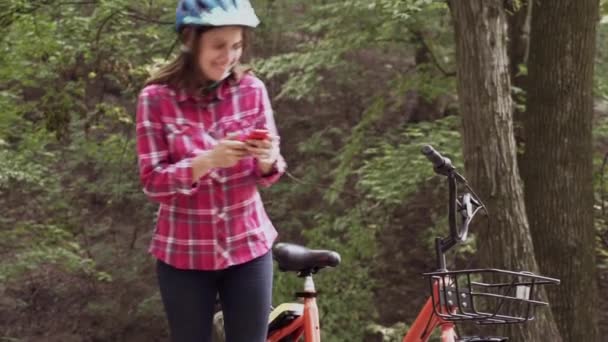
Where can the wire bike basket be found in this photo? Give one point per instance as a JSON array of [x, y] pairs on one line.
[[487, 296]]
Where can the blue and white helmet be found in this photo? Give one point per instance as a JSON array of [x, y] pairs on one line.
[[215, 13]]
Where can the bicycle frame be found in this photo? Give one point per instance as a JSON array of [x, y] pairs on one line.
[[306, 325], [427, 321]]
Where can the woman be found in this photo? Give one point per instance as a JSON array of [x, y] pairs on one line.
[[212, 233]]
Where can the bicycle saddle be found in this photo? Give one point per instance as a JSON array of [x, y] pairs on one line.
[[291, 257]]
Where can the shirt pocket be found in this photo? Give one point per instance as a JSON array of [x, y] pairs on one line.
[[186, 140], [241, 124]]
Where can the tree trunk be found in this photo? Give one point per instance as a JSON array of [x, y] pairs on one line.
[[489, 148], [557, 166]]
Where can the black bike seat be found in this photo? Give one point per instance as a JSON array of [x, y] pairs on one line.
[[292, 257]]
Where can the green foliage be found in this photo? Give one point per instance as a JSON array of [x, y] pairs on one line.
[[393, 333], [329, 45], [396, 332], [601, 226], [46, 244], [346, 292], [15, 167], [353, 148], [393, 172], [600, 162], [332, 48], [424, 82], [601, 66], [70, 73], [151, 306]]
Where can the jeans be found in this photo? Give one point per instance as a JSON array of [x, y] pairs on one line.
[[245, 293]]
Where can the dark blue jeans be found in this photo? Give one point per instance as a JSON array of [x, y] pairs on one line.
[[245, 293]]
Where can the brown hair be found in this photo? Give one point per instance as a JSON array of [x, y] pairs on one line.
[[183, 72]]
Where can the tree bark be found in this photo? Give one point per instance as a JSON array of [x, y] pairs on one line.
[[489, 148], [557, 165]]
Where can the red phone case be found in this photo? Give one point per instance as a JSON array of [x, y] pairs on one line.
[[257, 135]]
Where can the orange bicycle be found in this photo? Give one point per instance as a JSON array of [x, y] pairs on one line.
[[289, 322], [484, 296]]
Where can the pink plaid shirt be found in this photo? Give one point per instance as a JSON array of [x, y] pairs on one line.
[[218, 220]]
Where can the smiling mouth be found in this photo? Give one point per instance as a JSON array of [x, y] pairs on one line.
[[222, 67]]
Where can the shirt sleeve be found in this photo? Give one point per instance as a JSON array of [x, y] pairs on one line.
[[161, 179], [267, 121]]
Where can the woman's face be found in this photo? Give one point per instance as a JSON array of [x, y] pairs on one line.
[[220, 50]]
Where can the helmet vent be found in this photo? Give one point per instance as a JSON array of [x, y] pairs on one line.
[[185, 6], [222, 5], [202, 5]]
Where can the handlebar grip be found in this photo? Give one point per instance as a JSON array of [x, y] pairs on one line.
[[434, 156]]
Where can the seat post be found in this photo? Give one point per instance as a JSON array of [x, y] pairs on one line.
[[312, 330], [309, 284], [309, 290]]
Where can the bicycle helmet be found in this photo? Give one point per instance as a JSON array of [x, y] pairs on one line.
[[215, 13]]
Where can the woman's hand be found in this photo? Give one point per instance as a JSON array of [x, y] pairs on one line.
[[266, 151], [226, 153]]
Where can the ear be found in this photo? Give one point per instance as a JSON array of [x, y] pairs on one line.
[[187, 38]]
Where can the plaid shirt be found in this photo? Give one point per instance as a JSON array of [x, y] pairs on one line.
[[218, 220]]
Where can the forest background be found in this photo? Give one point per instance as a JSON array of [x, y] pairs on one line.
[[357, 88]]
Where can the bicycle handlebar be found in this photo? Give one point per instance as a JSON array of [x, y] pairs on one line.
[[441, 164], [467, 207]]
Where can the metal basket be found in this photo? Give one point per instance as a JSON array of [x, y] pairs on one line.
[[487, 296]]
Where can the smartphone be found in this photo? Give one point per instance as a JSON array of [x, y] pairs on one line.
[[257, 135]]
